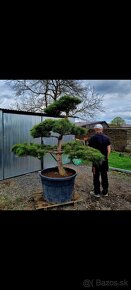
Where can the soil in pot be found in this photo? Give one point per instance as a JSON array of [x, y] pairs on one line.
[[55, 174]]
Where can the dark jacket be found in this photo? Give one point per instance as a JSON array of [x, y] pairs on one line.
[[100, 141]]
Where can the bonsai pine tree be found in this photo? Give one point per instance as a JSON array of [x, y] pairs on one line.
[[58, 128]]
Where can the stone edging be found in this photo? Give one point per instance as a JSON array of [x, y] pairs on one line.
[[120, 170]]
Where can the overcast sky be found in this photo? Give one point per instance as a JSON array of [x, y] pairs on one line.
[[116, 100]]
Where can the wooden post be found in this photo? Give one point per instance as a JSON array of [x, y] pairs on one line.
[[42, 162]]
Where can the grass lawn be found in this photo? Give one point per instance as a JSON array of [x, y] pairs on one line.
[[123, 162]]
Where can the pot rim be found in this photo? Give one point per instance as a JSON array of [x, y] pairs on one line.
[[55, 178]]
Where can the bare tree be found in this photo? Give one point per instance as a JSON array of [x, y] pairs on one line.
[[35, 95], [31, 95], [91, 103]]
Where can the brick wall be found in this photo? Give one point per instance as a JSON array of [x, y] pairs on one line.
[[118, 138], [128, 147]]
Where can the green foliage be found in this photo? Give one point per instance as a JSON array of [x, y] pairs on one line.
[[79, 131], [35, 150], [53, 110], [62, 127], [43, 129], [64, 104], [76, 150], [118, 121]]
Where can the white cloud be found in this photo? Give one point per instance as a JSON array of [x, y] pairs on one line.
[[116, 100], [6, 94]]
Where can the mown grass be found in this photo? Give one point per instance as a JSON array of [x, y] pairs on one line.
[[123, 162]]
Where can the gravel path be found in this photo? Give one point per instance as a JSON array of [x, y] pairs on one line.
[[17, 193]]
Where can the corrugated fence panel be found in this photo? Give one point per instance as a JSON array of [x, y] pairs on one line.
[[1, 147], [17, 130], [67, 138]]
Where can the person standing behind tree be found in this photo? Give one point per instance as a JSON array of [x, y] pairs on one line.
[[102, 143]]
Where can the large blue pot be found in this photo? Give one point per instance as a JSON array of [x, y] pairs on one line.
[[57, 190]]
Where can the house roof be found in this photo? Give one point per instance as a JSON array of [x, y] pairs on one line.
[[90, 123], [80, 123], [93, 123]]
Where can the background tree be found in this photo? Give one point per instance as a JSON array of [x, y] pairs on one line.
[[118, 121], [35, 95]]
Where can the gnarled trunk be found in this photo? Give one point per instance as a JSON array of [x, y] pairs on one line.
[[61, 170]]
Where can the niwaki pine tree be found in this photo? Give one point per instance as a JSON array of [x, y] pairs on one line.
[[58, 128]]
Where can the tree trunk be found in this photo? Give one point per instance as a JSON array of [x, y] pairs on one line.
[[46, 91], [61, 170]]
